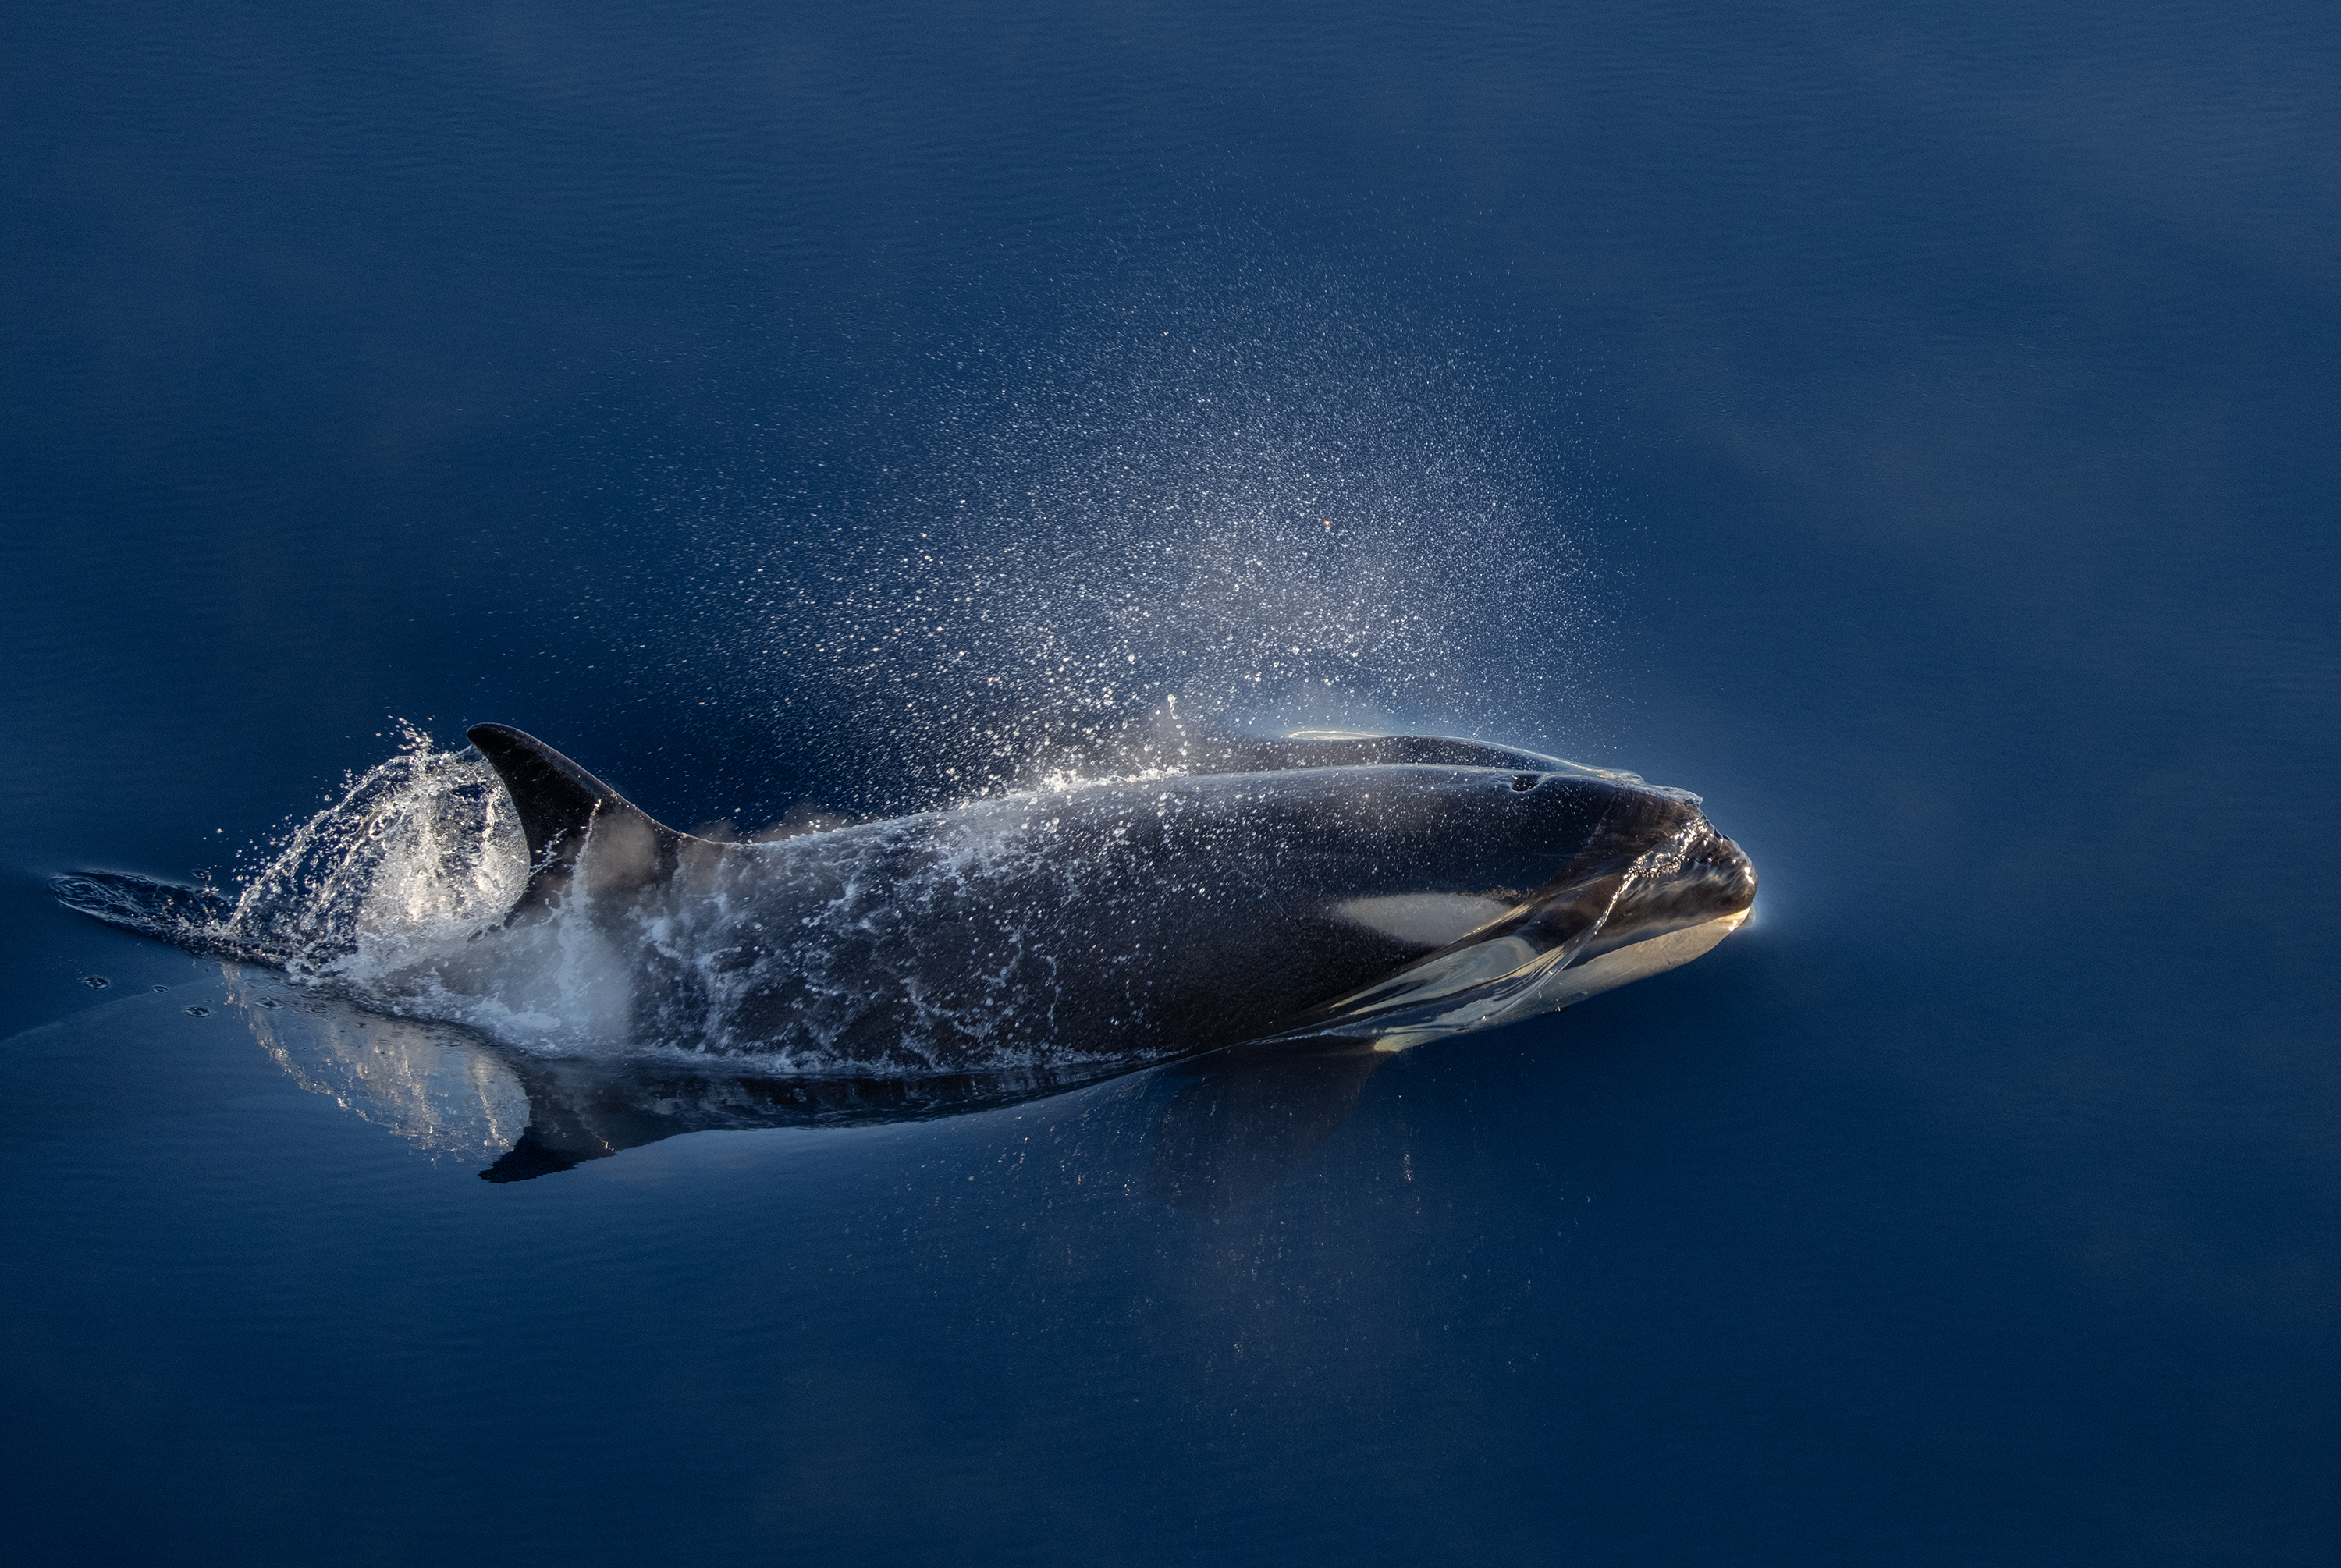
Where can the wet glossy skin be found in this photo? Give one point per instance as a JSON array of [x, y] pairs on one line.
[[1114, 921]]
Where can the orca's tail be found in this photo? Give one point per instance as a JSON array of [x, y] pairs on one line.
[[563, 808]]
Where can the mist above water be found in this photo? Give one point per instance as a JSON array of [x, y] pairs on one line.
[[1297, 513]]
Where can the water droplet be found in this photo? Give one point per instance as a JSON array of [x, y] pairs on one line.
[[95, 982]]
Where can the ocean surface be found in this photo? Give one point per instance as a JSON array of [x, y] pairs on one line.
[[1916, 430]]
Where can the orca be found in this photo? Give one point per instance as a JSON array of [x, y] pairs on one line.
[[1271, 917], [1382, 889]]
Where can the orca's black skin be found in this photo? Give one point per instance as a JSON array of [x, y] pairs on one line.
[[557, 801]]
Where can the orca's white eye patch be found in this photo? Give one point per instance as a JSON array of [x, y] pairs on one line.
[[1427, 920]]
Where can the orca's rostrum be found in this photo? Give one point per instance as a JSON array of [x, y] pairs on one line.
[[1367, 888]]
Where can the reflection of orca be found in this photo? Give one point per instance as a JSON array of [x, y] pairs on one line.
[[1224, 1127], [1221, 1128], [583, 1110], [1393, 889]]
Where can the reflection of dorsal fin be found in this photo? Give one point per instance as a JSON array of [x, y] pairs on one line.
[[561, 805]]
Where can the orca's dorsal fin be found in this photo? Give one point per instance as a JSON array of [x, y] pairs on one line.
[[563, 808]]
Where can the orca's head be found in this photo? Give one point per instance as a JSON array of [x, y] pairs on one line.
[[1532, 889]]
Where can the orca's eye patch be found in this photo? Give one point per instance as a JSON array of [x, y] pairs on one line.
[[1526, 780]]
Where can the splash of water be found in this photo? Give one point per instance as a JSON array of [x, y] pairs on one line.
[[421, 851], [417, 855]]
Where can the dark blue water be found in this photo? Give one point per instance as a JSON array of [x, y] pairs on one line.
[[1914, 430]]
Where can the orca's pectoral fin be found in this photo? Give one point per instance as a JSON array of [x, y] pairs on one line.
[[561, 807]]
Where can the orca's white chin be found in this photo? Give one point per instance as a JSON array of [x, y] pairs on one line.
[[1555, 987], [1637, 960]]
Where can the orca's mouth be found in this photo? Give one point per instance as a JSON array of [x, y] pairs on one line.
[[1701, 879], [1578, 937]]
